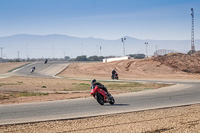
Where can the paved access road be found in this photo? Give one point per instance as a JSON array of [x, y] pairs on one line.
[[183, 93]]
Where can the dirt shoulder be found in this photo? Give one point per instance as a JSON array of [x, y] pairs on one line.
[[8, 66], [176, 120]]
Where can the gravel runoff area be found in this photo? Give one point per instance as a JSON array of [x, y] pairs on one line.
[[168, 120]]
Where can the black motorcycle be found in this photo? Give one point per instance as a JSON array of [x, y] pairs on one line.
[[115, 76]]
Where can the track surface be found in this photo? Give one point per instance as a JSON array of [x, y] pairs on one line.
[[42, 70], [183, 93]]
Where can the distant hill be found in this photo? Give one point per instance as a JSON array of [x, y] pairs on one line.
[[58, 46]]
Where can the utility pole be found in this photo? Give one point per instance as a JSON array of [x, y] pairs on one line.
[[27, 52], [100, 50], [18, 54], [146, 43], [156, 50], [52, 51], [192, 34], [82, 48], [123, 40], [1, 54]]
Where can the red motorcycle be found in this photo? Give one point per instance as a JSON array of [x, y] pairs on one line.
[[101, 96]]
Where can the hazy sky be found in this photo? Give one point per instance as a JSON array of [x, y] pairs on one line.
[[106, 19]]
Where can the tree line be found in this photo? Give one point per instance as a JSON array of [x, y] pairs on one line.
[[67, 58]]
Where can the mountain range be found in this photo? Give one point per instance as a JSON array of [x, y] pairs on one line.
[[58, 46]]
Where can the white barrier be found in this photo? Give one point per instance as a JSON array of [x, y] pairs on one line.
[[116, 59]]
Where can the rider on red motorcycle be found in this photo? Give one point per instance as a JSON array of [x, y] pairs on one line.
[[95, 83]]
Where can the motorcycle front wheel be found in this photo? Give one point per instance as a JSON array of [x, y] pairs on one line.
[[112, 100], [100, 99]]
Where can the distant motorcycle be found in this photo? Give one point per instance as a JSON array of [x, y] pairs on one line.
[[101, 96], [115, 76], [46, 61], [32, 69]]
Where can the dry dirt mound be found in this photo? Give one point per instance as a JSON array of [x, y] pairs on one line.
[[5, 67], [181, 62], [170, 66]]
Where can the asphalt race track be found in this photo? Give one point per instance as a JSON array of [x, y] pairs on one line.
[[183, 93], [42, 70]]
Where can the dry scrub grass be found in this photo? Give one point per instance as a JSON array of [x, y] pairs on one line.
[[55, 88], [32, 89]]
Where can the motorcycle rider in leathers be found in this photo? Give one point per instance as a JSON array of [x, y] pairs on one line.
[[114, 73], [94, 83]]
